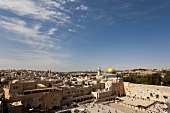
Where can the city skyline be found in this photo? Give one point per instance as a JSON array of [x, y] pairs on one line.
[[70, 35]]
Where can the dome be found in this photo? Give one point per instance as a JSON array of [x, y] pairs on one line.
[[111, 70], [15, 81], [3, 80]]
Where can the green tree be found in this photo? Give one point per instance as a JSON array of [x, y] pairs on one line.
[[166, 79], [154, 79], [158, 79]]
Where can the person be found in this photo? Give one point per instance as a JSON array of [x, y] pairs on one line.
[[109, 111]]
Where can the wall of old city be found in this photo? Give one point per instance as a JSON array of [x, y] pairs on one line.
[[76, 91], [152, 92]]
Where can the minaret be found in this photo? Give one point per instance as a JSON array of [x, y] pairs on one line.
[[49, 72], [99, 72]]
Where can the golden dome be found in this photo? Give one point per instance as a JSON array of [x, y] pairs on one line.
[[111, 70]]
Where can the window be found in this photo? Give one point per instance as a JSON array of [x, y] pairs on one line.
[[29, 86], [15, 87]]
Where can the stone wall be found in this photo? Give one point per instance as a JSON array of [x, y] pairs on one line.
[[152, 92]]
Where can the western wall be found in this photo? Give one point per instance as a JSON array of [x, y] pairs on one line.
[[147, 92]]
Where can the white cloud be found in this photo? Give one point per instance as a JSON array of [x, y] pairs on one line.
[[72, 30], [33, 24], [82, 7], [14, 20], [43, 9], [30, 33], [27, 35], [51, 31], [37, 27], [72, 0]]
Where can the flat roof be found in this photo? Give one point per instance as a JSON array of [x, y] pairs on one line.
[[39, 89]]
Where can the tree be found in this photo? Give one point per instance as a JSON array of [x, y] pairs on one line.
[[149, 79], [158, 79], [166, 79], [154, 79]]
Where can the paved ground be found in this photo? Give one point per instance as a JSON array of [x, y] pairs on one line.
[[158, 108], [121, 107], [111, 108], [125, 109], [98, 108], [135, 101]]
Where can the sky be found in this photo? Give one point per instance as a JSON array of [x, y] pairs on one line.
[[77, 35]]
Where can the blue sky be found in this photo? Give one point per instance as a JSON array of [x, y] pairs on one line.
[[68, 35]]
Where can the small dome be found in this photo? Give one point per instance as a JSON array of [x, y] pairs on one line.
[[111, 70], [3, 80], [15, 81]]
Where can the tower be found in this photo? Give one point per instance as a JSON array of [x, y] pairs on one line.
[[99, 72]]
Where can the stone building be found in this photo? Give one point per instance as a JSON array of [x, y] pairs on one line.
[[75, 94], [50, 92], [110, 85], [33, 94]]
